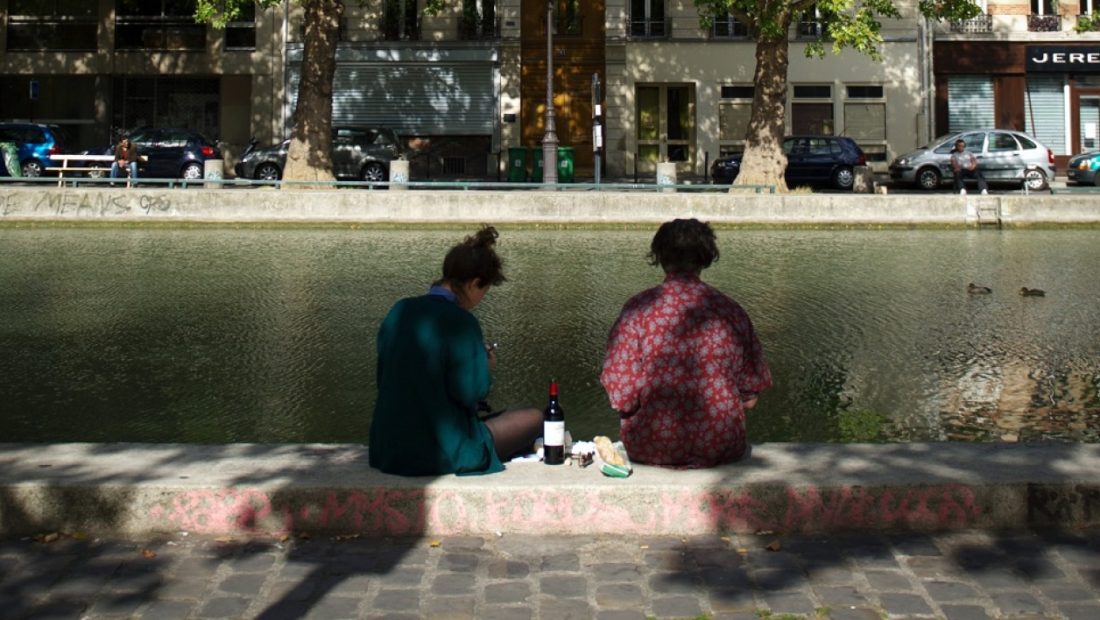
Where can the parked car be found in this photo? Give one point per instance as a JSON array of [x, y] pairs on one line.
[[811, 160], [168, 152], [1004, 156], [361, 153], [34, 143], [1083, 168]]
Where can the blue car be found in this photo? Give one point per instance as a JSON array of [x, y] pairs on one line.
[[34, 143], [811, 160], [168, 153], [1083, 168]]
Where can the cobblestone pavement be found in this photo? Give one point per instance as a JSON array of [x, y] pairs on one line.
[[954, 576]]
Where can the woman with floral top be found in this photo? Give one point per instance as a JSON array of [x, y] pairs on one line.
[[683, 363]]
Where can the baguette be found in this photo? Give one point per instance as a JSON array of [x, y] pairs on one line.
[[608, 452]]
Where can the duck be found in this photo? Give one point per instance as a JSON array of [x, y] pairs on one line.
[[974, 289], [1032, 292]]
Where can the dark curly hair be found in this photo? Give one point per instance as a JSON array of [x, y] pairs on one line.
[[684, 246], [474, 259]]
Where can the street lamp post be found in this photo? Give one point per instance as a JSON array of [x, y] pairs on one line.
[[550, 140]]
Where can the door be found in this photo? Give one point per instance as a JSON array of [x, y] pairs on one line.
[[1003, 159], [665, 127], [1088, 122], [817, 161]]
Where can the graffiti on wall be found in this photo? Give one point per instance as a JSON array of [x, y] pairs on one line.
[[84, 204], [389, 511]]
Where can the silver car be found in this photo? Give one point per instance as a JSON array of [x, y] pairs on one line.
[[361, 153], [1004, 156]]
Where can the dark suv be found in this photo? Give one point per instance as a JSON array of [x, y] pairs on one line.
[[34, 143], [811, 160], [361, 153]]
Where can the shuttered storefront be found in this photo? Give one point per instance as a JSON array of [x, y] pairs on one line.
[[1045, 111], [416, 92], [969, 102]]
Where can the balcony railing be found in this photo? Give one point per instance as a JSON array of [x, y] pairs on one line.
[[1044, 23], [392, 30], [479, 30], [810, 29], [59, 33], [1090, 24], [642, 28], [980, 24]]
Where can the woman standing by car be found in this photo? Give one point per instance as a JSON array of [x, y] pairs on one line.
[[434, 370]]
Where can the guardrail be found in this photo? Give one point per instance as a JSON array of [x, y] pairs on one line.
[[371, 186]]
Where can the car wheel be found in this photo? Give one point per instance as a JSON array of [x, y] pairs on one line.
[[374, 172], [268, 172], [928, 178], [32, 168], [96, 174], [1035, 180], [844, 178], [191, 172]]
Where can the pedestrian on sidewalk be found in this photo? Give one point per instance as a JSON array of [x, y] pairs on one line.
[[683, 363], [434, 373], [965, 165]]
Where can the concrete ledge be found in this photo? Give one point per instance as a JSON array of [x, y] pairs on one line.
[[140, 489], [97, 204]]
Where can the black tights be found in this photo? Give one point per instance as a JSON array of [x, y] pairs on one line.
[[514, 431]]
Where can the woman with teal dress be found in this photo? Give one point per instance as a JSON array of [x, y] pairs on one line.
[[434, 370]]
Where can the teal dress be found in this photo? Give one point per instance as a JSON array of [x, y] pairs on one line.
[[432, 371]]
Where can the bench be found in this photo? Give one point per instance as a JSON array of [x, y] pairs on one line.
[[66, 168]]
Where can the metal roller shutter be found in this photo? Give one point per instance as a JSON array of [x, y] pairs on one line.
[[413, 99], [969, 102], [1045, 111]]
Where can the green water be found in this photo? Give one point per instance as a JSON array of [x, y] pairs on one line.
[[218, 335]]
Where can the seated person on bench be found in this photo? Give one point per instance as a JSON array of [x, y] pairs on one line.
[[126, 158]]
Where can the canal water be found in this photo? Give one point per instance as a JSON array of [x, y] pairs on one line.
[[267, 335]]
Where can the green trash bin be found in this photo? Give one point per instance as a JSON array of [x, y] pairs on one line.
[[565, 164], [11, 159], [536, 171], [517, 164]]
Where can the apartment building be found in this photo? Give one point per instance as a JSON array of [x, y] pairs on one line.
[[1021, 64], [98, 66]]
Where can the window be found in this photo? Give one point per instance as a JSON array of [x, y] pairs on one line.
[[479, 20], [647, 18], [241, 32], [811, 24], [812, 109], [400, 20], [1000, 142], [734, 114], [865, 119], [1044, 16], [729, 27], [158, 25], [51, 25]]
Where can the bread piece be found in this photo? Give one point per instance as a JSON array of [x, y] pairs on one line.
[[608, 452]]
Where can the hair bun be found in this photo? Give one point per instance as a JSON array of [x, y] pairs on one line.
[[484, 238]]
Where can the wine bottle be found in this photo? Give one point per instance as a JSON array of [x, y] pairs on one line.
[[553, 429]]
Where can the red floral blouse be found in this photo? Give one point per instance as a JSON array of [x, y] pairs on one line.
[[680, 359]]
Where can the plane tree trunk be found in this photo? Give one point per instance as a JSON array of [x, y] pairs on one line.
[[764, 161], [309, 155]]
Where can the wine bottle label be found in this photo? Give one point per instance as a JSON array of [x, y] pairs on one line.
[[553, 433]]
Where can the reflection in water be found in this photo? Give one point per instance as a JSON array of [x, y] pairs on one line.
[[268, 335]]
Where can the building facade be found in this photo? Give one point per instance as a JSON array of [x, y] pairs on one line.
[[99, 66], [1022, 65]]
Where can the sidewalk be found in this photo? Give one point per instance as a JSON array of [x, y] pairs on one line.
[[959, 575]]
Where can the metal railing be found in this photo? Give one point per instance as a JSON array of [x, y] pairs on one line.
[[728, 27], [1044, 23], [980, 24], [643, 28], [120, 183]]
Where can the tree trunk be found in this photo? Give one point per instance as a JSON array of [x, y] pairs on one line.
[[764, 162], [309, 156]]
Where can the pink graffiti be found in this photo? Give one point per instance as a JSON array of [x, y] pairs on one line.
[[857, 507]]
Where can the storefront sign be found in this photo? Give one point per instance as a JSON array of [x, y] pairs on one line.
[[1063, 59]]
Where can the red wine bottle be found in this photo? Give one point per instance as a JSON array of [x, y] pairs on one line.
[[553, 429]]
